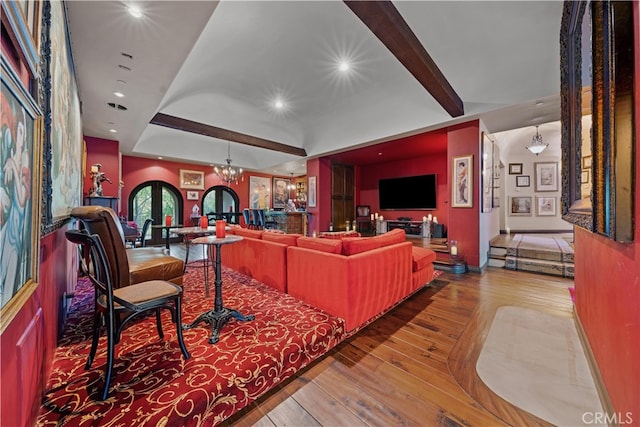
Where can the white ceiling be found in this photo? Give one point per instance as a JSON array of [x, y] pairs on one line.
[[223, 63]]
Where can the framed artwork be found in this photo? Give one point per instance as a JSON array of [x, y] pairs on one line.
[[463, 182], [192, 195], [363, 211], [584, 179], [63, 142], [520, 206], [515, 168], [487, 173], [523, 181], [546, 206], [586, 162], [546, 176], [259, 192], [280, 192], [21, 125], [24, 19], [312, 191], [193, 180]]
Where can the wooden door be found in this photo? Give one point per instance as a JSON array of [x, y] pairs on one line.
[[342, 199]]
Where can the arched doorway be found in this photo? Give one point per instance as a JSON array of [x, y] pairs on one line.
[[221, 199], [155, 200]]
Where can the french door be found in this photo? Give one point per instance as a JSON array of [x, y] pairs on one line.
[[155, 200]]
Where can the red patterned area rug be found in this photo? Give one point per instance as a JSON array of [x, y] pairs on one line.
[[152, 384]]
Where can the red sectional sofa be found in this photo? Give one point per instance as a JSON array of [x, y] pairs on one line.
[[353, 278]]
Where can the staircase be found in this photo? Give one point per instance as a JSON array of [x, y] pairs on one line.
[[537, 253]]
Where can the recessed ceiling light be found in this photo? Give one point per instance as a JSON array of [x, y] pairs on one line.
[[135, 11], [159, 157], [279, 104], [344, 66], [113, 130], [119, 94]]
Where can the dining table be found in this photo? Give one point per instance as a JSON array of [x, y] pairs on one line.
[[166, 229]]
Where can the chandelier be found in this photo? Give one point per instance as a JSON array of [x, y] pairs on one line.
[[537, 146], [228, 173]]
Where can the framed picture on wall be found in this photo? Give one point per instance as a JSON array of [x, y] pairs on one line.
[[193, 180], [463, 182], [259, 192], [487, 173], [21, 165], [192, 195], [312, 191], [520, 206], [280, 192], [515, 168], [546, 176], [546, 206], [523, 181]]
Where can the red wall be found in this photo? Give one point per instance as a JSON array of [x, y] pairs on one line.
[[136, 170], [107, 153], [28, 344], [607, 282], [464, 223], [370, 175]]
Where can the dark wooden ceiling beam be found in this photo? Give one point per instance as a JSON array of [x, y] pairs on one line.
[[185, 125], [384, 20]]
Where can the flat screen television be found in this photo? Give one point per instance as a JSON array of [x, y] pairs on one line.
[[409, 192]]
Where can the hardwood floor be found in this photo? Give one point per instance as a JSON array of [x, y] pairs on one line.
[[416, 364]]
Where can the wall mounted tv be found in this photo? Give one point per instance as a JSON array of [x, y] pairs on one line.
[[409, 192]]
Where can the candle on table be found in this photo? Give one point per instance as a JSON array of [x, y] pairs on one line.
[[454, 250]]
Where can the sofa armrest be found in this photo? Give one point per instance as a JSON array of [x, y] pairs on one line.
[[264, 261], [355, 288]]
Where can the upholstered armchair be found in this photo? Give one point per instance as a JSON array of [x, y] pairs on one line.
[[128, 266]]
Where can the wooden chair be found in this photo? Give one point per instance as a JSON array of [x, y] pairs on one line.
[[141, 241], [115, 308]]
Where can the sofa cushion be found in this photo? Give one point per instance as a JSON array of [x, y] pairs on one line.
[[273, 230], [397, 235], [323, 245], [356, 245], [245, 232], [338, 234], [421, 258], [287, 239]]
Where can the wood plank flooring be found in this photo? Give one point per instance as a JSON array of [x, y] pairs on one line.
[[414, 366]]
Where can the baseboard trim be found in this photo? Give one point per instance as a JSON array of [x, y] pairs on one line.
[[605, 400]]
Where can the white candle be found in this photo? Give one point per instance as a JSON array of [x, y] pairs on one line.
[[454, 250], [508, 230]]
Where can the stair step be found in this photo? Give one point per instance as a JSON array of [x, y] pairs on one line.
[[495, 250], [555, 268]]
